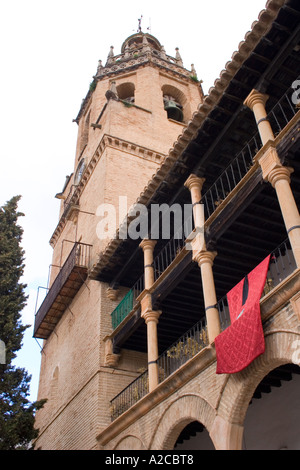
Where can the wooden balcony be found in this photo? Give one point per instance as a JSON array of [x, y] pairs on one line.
[[64, 288]]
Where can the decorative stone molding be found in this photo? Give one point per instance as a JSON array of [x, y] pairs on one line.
[[268, 161], [194, 181], [255, 97], [205, 257], [280, 173], [111, 359], [145, 300], [151, 316], [111, 293]]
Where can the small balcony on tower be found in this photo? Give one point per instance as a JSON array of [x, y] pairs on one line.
[[64, 288]]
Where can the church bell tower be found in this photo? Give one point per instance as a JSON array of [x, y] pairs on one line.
[[138, 103]]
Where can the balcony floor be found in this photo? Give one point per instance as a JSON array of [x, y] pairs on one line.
[[58, 304]]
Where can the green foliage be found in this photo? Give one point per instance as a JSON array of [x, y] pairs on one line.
[[12, 296], [194, 78], [16, 412], [93, 85]]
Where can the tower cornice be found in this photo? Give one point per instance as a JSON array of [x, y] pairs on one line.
[[139, 50]]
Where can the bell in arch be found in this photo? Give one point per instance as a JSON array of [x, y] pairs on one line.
[[173, 109]]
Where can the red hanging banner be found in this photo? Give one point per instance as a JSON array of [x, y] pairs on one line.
[[243, 340]]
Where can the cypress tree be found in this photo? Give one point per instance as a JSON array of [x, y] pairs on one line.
[[16, 412]]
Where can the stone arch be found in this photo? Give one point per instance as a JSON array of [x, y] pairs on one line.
[[126, 91], [130, 442], [179, 97], [240, 387], [177, 416]]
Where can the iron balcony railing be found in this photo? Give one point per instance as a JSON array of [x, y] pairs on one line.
[[282, 264], [284, 111], [127, 303], [129, 396], [186, 347], [79, 257]]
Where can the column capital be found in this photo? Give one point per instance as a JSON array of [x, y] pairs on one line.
[[205, 257], [148, 244], [255, 97], [280, 173], [194, 181], [151, 315]]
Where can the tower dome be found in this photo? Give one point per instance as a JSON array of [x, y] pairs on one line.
[[140, 40]]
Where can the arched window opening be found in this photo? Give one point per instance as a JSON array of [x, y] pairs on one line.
[[173, 108], [194, 437], [85, 133], [273, 416], [175, 103], [126, 92]]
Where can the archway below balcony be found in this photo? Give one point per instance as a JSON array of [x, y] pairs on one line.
[[185, 414], [194, 437], [273, 416], [244, 387]]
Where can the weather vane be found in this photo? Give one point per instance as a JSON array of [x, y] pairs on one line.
[[140, 24]]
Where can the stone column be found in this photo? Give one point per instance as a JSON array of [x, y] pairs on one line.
[[205, 261], [279, 177], [256, 101], [275, 172], [150, 316], [148, 248], [195, 184]]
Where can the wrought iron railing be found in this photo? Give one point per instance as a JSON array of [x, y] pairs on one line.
[[169, 252], [129, 396], [127, 303], [283, 112], [282, 264], [231, 176], [79, 256], [186, 347]]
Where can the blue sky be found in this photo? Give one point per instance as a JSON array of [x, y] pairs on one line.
[[49, 54]]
